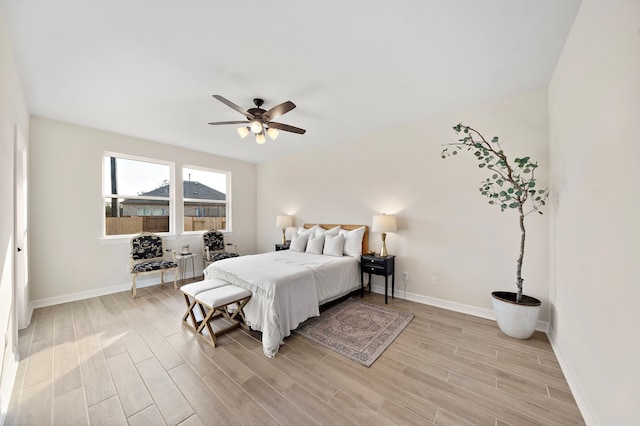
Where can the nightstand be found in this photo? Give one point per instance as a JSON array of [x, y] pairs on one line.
[[281, 246], [378, 265]]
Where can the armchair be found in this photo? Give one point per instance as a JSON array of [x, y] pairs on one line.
[[214, 248], [146, 257]]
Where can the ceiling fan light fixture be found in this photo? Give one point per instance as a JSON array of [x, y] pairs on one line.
[[256, 127], [273, 133], [243, 132], [260, 138]]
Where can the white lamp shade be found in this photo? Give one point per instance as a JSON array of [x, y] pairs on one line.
[[384, 223], [260, 138], [284, 221], [243, 132], [273, 133]]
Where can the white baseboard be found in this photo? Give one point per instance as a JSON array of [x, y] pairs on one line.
[[452, 306], [72, 297], [584, 406]]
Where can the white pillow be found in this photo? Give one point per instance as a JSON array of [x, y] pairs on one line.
[[299, 242], [311, 231], [333, 245], [315, 245], [328, 232], [353, 241]]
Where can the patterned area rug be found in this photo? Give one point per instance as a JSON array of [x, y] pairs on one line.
[[358, 330]]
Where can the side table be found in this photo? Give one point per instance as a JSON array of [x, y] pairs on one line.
[[281, 246], [182, 263], [378, 265]]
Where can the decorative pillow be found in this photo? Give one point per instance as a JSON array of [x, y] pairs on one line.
[[315, 245], [328, 232], [333, 245], [311, 231], [299, 242], [353, 241]]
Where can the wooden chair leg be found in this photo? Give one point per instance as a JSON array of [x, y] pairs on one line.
[[133, 286], [175, 278]]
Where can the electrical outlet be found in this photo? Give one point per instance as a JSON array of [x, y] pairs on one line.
[[405, 276], [434, 280]]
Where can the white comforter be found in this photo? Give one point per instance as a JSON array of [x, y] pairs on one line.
[[287, 288]]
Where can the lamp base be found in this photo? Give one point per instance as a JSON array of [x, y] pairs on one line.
[[383, 249], [284, 236]]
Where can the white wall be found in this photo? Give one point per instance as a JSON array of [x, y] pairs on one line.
[[68, 257], [13, 112], [594, 109], [446, 227]]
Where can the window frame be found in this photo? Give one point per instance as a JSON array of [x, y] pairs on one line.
[[227, 200], [172, 193]]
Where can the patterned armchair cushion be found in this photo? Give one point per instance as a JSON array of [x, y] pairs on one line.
[[146, 247], [154, 265], [219, 256], [214, 240]]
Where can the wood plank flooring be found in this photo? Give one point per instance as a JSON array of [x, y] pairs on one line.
[[112, 360]]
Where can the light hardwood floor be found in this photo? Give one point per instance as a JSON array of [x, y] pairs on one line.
[[112, 360]]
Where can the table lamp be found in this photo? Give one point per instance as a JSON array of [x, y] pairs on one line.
[[284, 222], [384, 223]]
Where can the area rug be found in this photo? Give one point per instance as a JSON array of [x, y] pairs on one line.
[[358, 330]]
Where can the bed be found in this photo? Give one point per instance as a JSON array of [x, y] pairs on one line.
[[289, 286]]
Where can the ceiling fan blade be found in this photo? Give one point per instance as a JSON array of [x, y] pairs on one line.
[[287, 128], [230, 104], [278, 110], [229, 122]]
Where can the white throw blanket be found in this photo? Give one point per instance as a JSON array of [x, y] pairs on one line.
[[287, 288]]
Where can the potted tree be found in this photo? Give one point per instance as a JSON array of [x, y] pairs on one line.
[[510, 185]]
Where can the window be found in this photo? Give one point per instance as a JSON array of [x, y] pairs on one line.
[[137, 195], [206, 199]]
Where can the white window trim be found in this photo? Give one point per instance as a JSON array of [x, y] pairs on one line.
[[172, 195], [227, 201]]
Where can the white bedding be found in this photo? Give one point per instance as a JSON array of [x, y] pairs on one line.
[[287, 287]]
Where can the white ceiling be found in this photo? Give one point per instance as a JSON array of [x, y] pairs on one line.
[[148, 68]]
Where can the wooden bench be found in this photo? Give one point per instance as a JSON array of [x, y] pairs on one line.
[[190, 291], [222, 302]]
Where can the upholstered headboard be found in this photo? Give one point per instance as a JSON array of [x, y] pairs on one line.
[[365, 238]]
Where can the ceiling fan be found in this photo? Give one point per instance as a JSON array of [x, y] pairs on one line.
[[259, 120]]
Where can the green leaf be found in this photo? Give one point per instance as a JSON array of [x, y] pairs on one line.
[[532, 183], [481, 165], [495, 139], [513, 205]]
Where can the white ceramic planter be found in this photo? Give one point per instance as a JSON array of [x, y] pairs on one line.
[[517, 320]]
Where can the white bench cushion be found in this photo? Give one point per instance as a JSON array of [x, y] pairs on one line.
[[201, 286], [222, 296]]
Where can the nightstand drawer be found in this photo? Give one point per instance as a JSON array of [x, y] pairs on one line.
[[374, 262], [373, 268]]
